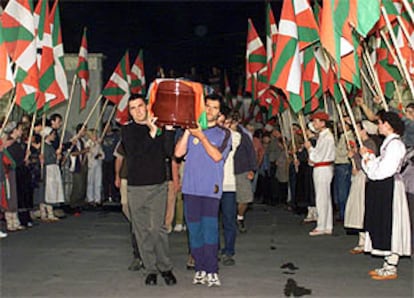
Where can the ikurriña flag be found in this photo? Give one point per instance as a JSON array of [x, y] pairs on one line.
[[20, 42], [82, 71], [138, 75], [117, 90]]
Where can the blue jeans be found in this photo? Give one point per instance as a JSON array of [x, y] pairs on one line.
[[342, 184], [228, 212]]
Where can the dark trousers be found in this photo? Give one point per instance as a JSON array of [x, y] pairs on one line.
[[79, 181], [228, 207], [342, 184], [108, 181]]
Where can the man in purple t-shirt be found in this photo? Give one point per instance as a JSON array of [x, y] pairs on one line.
[[205, 153]]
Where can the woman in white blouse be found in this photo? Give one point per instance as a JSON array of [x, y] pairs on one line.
[[387, 222]]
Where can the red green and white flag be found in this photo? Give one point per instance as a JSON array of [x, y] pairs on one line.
[[138, 75], [58, 54], [271, 38], [6, 75], [117, 90], [48, 86], [19, 36], [386, 70], [255, 58], [310, 75], [297, 30], [339, 19], [273, 102], [82, 71]]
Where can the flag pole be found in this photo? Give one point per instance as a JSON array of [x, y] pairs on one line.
[[101, 114], [367, 82], [283, 136], [92, 110], [29, 141], [341, 118], [325, 104], [405, 32], [409, 9], [65, 123], [9, 111], [399, 97], [302, 124], [108, 123], [351, 114], [42, 146], [374, 76], [397, 50], [76, 137], [292, 134], [394, 57]]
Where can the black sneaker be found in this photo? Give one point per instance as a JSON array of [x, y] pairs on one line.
[[241, 226]]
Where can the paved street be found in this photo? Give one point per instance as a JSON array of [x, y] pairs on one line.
[[88, 256]]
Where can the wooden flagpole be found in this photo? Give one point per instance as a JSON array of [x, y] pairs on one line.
[[350, 113], [409, 9], [9, 111], [397, 50], [325, 103], [399, 96], [76, 137], [92, 110], [374, 75], [292, 132], [390, 50], [29, 140], [292, 137], [65, 123], [302, 124], [108, 123], [341, 118], [42, 146], [405, 32], [283, 136], [367, 82], [101, 114]]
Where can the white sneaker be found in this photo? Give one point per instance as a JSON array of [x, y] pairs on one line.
[[178, 228], [200, 278], [213, 280], [3, 235]]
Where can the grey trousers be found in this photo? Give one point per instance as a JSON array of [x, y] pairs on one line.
[[147, 210]]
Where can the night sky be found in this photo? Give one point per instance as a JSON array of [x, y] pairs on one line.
[[173, 34]]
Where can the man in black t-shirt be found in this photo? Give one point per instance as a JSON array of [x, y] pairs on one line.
[[146, 150]]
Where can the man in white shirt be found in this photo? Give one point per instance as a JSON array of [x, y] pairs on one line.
[[322, 156]]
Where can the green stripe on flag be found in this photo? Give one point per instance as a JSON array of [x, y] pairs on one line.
[[286, 54], [295, 102], [257, 58]]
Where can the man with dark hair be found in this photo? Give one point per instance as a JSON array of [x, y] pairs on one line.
[[322, 156], [55, 122], [146, 150], [202, 189]]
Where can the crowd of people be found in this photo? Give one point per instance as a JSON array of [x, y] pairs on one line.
[[173, 179]]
